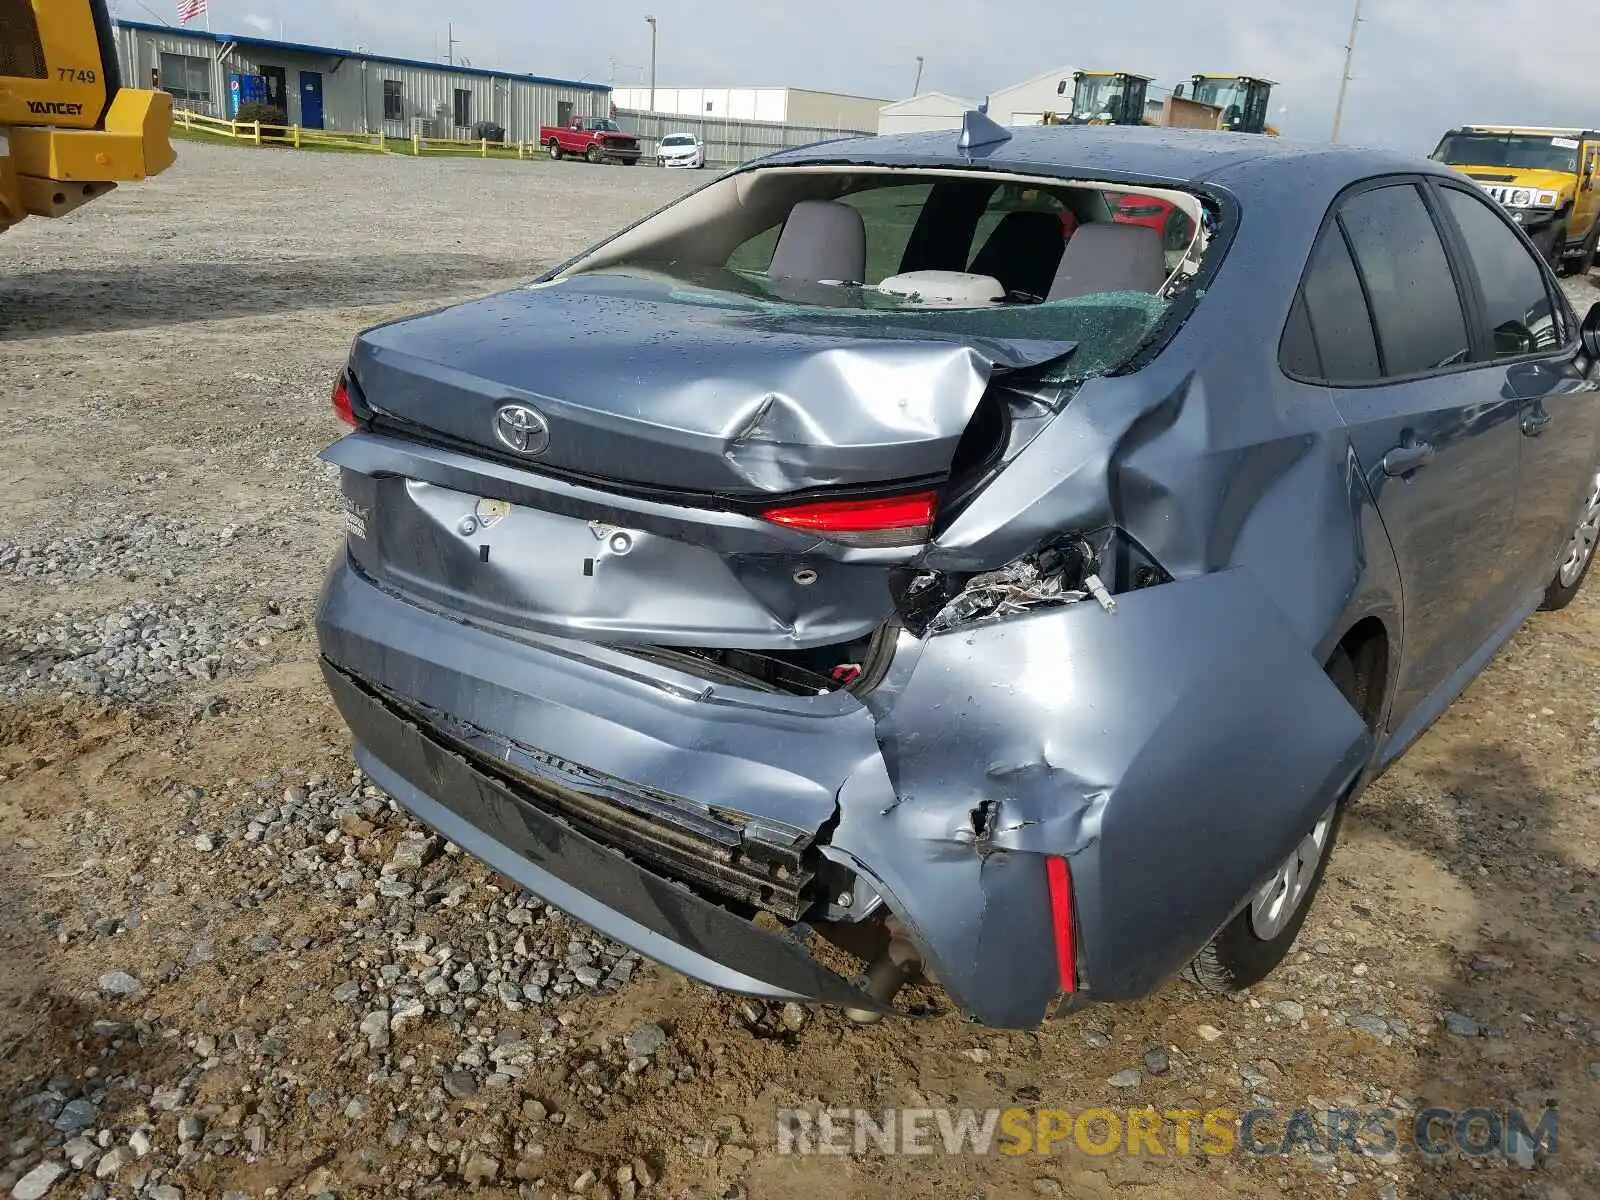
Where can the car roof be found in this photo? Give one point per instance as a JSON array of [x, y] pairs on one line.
[[1151, 154]]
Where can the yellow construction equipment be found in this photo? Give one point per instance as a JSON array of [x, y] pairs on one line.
[[69, 132], [1237, 103], [1103, 98], [1242, 99]]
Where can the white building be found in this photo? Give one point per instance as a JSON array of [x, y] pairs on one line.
[[924, 112], [320, 87], [777, 105], [1026, 103]]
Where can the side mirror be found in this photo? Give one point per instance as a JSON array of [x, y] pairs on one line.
[[1061, 88], [1590, 331]]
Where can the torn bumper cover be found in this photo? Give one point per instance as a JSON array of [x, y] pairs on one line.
[[1183, 738], [590, 881]]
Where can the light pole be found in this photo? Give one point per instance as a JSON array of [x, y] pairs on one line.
[[1344, 81], [916, 88], [651, 21]]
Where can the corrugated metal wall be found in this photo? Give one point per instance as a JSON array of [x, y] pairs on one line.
[[727, 142], [831, 109], [353, 91]]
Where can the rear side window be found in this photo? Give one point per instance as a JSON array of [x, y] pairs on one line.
[[1415, 304], [1336, 312], [1299, 352], [1516, 301]]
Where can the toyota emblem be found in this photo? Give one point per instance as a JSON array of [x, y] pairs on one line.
[[522, 429]]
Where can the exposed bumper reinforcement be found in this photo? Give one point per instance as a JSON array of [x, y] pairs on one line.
[[591, 882]]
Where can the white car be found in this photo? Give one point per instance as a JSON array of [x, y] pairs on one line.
[[681, 150]]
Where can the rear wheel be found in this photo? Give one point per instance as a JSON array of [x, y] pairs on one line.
[[554, 148], [1579, 555], [1556, 255], [1591, 250], [1252, 944]]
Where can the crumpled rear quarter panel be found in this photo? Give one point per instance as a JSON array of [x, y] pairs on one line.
[[1168, 750]]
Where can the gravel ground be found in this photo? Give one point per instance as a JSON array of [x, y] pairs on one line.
[[230, 967]]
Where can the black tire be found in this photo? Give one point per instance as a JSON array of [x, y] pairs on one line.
[[554, 147], [592, 154], [1556, 256], [1238, 958], [1591, 251], [1578, 558]]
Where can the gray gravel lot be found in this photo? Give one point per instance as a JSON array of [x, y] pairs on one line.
[[228, 964]]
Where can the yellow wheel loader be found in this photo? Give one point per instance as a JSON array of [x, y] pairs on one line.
[[1241, 99], [69, 130], [1103, 98]]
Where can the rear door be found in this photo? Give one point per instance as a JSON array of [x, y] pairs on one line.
[[1436, 437], [1532, 340]]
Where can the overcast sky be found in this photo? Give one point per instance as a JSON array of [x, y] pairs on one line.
[[1421, 65]]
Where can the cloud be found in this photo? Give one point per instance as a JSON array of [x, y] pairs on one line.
[[259, 24]]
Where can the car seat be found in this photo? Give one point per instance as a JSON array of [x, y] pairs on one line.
[[1104, 256], [823, 240]]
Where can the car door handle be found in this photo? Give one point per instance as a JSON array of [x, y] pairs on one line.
[[1534, 423], [1407, 458]]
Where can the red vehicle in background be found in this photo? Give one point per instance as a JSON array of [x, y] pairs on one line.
[[1171, 222], [596, 139]]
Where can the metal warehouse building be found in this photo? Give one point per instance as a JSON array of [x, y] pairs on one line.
[[321, 87]]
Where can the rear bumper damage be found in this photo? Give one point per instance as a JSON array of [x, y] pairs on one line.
[[592, 882], [1163, 750]]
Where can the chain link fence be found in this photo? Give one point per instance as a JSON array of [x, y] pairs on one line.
[[728, 141]]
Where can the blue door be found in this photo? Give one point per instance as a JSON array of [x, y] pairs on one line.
[[311, 99]]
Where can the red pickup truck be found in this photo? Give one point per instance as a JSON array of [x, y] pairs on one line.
[[593, 138]]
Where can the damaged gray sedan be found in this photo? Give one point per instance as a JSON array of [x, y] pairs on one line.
[[886, 546]]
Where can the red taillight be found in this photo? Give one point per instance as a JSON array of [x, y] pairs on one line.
[[881, 521], [341, 402], [1061, 923]]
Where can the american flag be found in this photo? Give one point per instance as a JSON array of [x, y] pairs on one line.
[[188, 10]]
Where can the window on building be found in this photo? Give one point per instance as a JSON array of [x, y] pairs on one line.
[[1415, 305], [186, 79], [463, 107], [1521, 317], [393, 108], [21, 51], [563, 113]]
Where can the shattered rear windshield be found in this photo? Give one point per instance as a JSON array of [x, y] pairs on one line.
[[1106, 328], [915, 255]]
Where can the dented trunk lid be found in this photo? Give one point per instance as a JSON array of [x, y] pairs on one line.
[[647, 384]]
